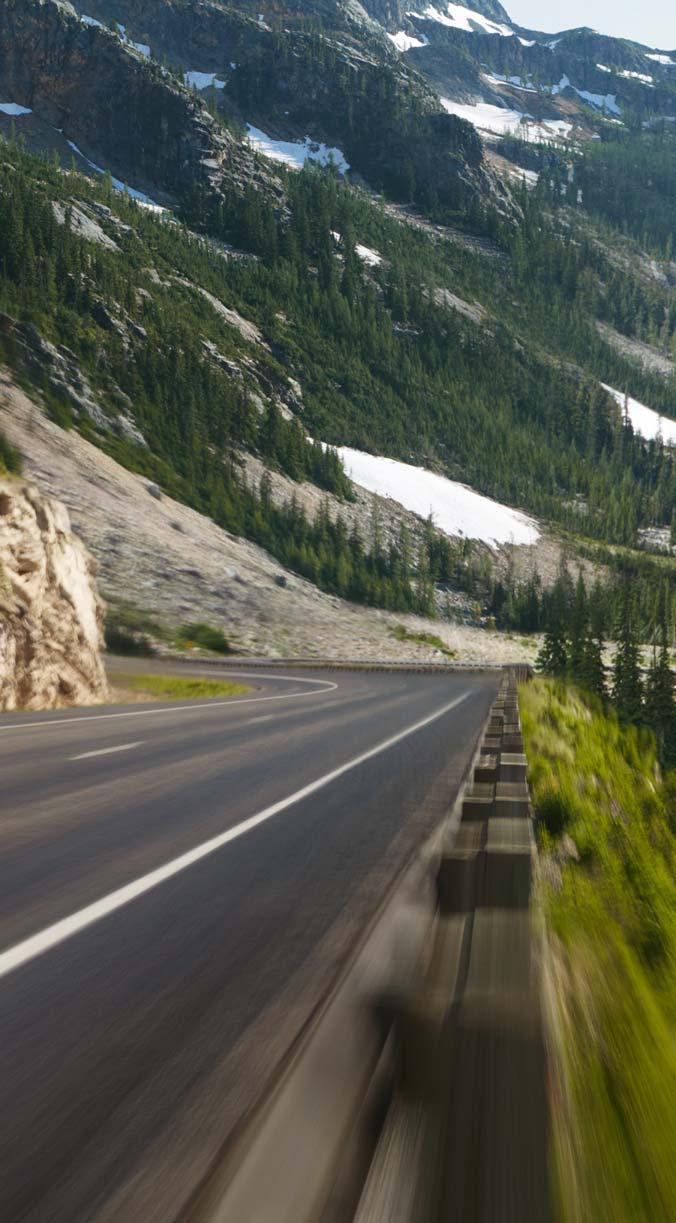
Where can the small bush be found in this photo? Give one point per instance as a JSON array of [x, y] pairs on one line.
[[401, 633], [120, 640], [205, 636], [10, 459]]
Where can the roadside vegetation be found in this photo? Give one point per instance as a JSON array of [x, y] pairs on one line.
[[401, 633], [10, 459], [606, 825], [132, 632], [177, 687]]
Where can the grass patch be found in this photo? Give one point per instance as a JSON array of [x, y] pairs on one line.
[[605, 823], [401, 633], [179, 687]]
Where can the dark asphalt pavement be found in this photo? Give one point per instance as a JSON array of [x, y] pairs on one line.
[[133, 1040]]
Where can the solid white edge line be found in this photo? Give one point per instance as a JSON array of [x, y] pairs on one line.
[[37, 944], [108, 751], [328, 686]]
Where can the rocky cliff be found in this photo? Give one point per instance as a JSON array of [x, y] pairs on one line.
[[122, 110], [51, 617]]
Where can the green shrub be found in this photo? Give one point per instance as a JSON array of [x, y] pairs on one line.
[[10, 459], [120, 640], [204, 636]]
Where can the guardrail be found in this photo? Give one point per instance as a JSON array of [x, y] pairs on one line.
[[521, 671], [466, 1135], [437, 1013]]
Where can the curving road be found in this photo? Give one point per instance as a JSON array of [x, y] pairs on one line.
[[178, 886]]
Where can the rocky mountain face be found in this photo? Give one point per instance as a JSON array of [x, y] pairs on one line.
[[51, 617], [343, 84], [475, 53], [117, 108]]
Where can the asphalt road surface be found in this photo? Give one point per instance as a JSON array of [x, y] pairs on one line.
[[179, 884]]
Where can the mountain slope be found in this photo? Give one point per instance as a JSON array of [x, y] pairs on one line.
[[474, 335]]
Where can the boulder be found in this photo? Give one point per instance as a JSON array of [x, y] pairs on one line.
[[51, 616]]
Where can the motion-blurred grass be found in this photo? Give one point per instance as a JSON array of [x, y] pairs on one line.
[[606, 822], [178, 687]]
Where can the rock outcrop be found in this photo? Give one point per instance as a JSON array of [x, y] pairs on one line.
[[117, 108], [51, 617]]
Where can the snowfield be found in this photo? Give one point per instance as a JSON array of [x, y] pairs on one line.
[[203, 80], [502, 122], [660, 58], [294, 153], [457, 17], [645, 420], [455, 509], [142, 199], [405, 42], [13, 108]]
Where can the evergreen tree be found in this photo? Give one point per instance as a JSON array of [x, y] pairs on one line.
[[660, 706], [627, 681]]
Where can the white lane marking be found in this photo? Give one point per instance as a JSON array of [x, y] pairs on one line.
[[327, 686], [108, 751], [266, 717], [38, 944]]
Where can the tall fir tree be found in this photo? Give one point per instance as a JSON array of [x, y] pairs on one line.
[[660, 706], [627, 680]]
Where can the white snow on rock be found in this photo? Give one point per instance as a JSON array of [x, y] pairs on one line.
[[495, 78], [370, 257], [455, 509], [405, 42], [142, 199], [203, 80], [457, 17], [645, 420], [660, 58], [142, 47], [631, 76], [503, 122], [13, 108], [600, 101], [295, 153]]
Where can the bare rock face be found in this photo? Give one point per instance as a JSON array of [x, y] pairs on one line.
[[51, 617]]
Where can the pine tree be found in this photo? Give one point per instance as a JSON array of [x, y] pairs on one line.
[[578, 641], [627, 681], [660, 706]]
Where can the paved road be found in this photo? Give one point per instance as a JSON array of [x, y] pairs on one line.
[[178, 886]]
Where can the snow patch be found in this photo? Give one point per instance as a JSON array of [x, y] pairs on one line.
[[405, 42], [371, 258], [637, 76], [605, 102], [660, 58], [143, 200], [503, 122], [13, 108], [645, 420], [457, 17], [203, 80], [455, 509], [91, 21], [494, 78], [295, 153]]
